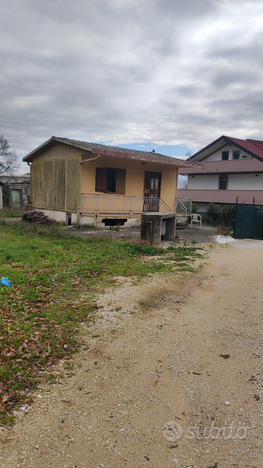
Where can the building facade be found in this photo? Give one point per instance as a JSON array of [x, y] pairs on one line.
[[229, 170]]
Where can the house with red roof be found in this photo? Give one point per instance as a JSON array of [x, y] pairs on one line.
[[229, 170]]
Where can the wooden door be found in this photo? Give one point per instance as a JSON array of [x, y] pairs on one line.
[[152, 191]]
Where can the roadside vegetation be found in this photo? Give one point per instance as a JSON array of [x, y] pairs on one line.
[[56, 278], [7, 212], [217, 215]]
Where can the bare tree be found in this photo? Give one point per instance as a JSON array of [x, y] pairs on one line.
[[8, 158]]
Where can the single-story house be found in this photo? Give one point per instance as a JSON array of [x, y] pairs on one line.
[[230, 171], [79, 182]]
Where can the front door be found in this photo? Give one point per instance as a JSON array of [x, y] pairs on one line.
[[152, 191]]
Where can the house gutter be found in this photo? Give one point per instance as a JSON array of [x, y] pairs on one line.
[[90, 159]]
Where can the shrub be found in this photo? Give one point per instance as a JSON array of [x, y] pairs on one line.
[[228, 214], [217, 214], [214, 214]]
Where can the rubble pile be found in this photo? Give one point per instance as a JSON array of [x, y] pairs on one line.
[[35, 216]]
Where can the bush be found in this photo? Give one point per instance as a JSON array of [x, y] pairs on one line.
[[194, 208], [228, 214], [214, 214], [217, 214]]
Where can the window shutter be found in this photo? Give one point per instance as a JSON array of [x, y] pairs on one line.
[[101, 179], [120, 180]]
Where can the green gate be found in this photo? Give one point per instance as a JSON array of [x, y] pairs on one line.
[[248, 222], [16, 198]]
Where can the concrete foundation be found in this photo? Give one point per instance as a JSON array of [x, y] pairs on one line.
[[157, 227], [71, 219]]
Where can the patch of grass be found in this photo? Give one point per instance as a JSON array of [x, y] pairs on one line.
[[51, 273], [12, 212]]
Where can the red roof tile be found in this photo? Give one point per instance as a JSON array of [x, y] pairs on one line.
[[253, 146]]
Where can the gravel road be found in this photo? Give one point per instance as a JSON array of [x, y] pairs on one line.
[[169, 376]]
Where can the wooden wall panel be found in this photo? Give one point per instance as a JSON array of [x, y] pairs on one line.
[[37, 186], [59, 184], [72, 185], [48, 186]]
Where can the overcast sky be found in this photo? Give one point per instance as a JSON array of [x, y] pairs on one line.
[[147, 73]]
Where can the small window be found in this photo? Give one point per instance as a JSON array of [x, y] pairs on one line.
[[236, 154], [223, 182], [225, 155]]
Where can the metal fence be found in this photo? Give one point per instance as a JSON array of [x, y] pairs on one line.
[[248, 222], [121, 205], [183, 206]]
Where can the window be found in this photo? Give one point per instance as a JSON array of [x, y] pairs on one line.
[[236, 154], [109, 180], [223, 182], [225, 155]]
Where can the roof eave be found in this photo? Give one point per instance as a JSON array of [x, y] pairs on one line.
[[226, 140], [207, 147], [29, 157], [233, 142], [144, 158], [105, 152]]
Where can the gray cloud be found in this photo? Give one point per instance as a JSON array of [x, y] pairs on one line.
[[165, 71]]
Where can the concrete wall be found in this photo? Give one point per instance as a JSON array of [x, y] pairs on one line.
[[223, 196], [15, 179], [245, 181], [235, 182], [208, 182]]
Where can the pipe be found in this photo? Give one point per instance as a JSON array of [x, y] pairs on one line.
[[151, 230], [91, 159]]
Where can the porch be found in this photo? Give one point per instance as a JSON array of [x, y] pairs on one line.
[[120, 205]]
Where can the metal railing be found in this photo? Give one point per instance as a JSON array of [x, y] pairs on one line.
[[183, 206], [121, 205]]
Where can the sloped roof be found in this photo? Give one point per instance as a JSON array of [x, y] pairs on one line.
[[252, 147], [106, 150]]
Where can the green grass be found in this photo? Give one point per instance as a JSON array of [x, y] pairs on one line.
[[11, 212], [55, 280]]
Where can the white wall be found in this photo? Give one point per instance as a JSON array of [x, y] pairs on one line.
[[217, 156], [245, 182], [208, 182], [235, 182]]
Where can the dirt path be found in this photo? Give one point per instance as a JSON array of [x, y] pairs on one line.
[[151, 377]]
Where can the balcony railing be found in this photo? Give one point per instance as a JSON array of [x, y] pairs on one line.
[[115, 205], [183, 206]]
